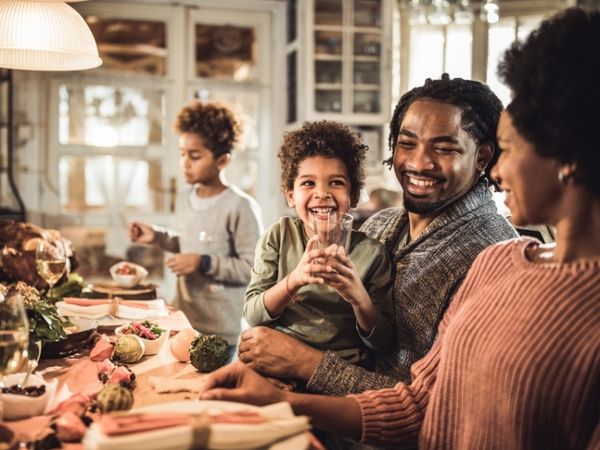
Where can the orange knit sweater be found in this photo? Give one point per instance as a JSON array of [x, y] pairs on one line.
[[516, 364]]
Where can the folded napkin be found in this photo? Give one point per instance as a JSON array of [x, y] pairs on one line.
[[247, 428], [123, 309]]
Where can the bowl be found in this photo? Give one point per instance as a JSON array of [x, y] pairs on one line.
[[151, 346], [82, 337], [20, 406], [127, 274]]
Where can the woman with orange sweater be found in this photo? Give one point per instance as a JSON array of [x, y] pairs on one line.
[[516, 364]]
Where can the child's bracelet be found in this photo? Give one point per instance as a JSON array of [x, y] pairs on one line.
[[291, 297]]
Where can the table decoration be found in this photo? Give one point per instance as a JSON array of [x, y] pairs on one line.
[[232, 426]]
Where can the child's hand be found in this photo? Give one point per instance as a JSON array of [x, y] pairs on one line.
[[183, 263], [340, 273], [308, 269], [140, 232]]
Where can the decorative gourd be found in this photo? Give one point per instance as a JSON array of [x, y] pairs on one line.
[[129, 348], [114, 397], [208, 352]]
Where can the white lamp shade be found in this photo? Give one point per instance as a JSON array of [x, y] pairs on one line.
[[45, 35]]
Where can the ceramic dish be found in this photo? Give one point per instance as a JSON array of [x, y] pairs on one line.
[[83, 337], [151, 346], [133, 275], [21, 406]]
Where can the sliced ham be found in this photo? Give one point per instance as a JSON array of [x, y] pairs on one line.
[[102, 350]]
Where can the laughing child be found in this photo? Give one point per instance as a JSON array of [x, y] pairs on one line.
[[325, 298]]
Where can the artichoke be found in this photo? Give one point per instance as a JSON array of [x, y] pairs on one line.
[[209, 352], [129, 348], [114, 397]]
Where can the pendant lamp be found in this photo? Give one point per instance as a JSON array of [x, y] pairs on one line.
[[45, 35]]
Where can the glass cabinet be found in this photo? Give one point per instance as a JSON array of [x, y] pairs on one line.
[[347, 59], [339, 65]]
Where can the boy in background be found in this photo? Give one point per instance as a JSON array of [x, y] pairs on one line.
[[218, 224]]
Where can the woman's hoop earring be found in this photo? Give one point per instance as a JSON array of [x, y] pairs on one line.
[[564, 177]]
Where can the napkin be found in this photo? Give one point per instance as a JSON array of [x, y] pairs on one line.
[[123, 309], [275, 422]]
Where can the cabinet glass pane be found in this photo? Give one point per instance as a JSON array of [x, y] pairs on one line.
[[328, 100], [328, 71], [130, 46], [292, 26], [107, 183], [328, 43], [367, 44], [107, 116], [366, 101], [226, 52], [367, 13], [371, 136], [366, 72], [328, 12], [292, 87]]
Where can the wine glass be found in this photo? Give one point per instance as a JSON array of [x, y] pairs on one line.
[[14, 333], [50, 261]]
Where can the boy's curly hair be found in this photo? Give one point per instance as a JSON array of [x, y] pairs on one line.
[[214, 122], [329, 140]]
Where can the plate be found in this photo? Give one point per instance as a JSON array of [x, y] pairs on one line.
[[82, 338]]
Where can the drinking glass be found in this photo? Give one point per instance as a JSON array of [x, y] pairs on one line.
[[14, 334], [50, 261], [333, 228]]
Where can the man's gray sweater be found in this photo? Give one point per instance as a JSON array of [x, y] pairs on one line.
[[428, 271]]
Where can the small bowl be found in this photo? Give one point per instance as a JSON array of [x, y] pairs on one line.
[[128, 280], [20, 406], [151, 346]]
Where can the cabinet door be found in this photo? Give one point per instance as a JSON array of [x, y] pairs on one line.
[[348, 58]]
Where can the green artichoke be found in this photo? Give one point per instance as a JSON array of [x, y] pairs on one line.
[[208, 352]]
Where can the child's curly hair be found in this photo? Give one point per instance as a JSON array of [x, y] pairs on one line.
[[329, 140], [214, 122]]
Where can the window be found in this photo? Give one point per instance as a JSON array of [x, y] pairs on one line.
[[438, 49], [501, 35]]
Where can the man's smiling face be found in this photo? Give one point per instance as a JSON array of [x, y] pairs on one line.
[[435, 160]]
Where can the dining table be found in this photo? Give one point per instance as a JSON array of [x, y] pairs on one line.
[[78, 374]]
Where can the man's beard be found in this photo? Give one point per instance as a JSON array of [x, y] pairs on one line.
[[423, 208]]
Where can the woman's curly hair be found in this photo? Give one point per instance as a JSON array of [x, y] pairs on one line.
[[214, 122], [554, 77], [479, 106], [329, 140]]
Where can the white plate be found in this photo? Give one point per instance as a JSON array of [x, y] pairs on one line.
[[223, 436]]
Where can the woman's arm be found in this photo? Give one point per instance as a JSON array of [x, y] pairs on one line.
[[236, 382]]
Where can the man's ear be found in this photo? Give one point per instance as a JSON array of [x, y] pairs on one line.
[[484, 155], [223, 161], [289, 196]]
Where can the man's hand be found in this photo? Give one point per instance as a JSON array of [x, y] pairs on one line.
[[140, 232], [183, 263], [276, 354], [237, 382]]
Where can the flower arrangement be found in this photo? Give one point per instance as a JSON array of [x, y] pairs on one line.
[[45, 323]]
